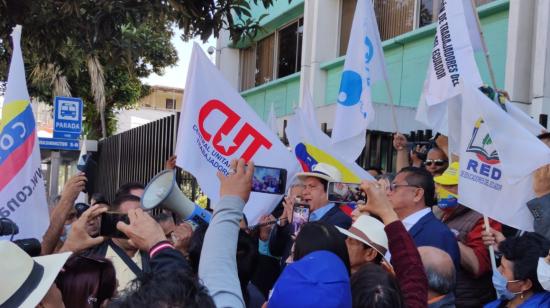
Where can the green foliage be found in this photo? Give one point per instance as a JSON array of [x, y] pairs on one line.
[[130, 38]]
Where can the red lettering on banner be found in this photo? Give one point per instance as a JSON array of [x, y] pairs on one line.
[[232, 120]]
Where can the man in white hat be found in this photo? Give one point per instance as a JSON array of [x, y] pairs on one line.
[[367, 242], [26, 281], [315, 196]]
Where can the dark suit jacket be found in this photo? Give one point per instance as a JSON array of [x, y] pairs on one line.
[[280, 241], [430, 231]]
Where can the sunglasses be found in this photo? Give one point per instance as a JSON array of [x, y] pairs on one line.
[[437, 162]]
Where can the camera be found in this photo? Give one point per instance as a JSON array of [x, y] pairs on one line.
[[30, 245]]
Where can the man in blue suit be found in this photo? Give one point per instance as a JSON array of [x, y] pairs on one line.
[[412, 195]]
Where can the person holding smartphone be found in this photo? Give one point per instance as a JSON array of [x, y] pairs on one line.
[[315, 197]]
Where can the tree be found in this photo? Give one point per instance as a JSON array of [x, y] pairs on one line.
[[93, 48]]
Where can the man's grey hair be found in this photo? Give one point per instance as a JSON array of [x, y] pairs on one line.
[[441, 282]]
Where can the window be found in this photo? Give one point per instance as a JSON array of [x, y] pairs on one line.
[[290, 49], [264, 60], [394, 17], [170, 103], [429, 9], [248, 67], [275, 56]]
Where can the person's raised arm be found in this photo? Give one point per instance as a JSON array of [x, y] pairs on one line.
[[78, 239], [405, 258], [60, 212], [400, 145], [218, 262]]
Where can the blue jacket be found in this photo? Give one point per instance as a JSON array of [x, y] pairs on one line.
[[430, 231], [541, 299]]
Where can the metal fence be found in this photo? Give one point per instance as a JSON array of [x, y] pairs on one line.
[[137, 155]]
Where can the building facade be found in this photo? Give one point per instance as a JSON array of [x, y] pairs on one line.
[[305, 41], [161, 102]]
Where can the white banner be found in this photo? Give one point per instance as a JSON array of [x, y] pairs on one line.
[[363, 66], [497, 158], [311, 146], [22, 191], [217, 125]]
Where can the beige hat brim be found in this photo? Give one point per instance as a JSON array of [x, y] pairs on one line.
[[52, 265], [302, 175], [355, 237]]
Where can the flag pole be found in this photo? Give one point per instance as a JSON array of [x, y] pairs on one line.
[[494, 82], [485, 49]]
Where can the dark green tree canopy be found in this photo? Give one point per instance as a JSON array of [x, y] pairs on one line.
[[98, 49]]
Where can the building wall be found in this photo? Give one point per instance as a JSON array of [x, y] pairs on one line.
[[159, 95], [406, 57]]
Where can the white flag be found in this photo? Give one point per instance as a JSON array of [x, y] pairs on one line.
[[311, 146], [217, 125], [363, 66], [22, 191], [272, 120], [452, 59], [497, 158]]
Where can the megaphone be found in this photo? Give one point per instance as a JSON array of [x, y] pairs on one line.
[[162, 190]]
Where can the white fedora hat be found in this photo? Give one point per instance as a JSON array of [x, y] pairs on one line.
[[323, 171], [25, 280], [369, 231]]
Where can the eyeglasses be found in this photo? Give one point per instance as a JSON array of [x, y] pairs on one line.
[[437, 162], [394, 186]]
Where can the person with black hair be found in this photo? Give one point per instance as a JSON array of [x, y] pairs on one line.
[[372, 286], [319, 235], [166, 289], [516, 281], [412, 195], [128, 260], [130, 188]]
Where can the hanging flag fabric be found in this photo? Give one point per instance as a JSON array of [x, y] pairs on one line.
[[497, 158], [452, 59], [22, 191], [364, 65], [272, 119], [216, 126], [311, 146]]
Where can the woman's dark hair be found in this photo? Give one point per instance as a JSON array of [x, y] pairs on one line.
[[174, 288], [372, 286], [247, 261], [99, 198], [316, 236], [86, 281], [195, 247], [524, 251]]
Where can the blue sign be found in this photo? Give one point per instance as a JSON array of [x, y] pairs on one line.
[[67, 117], [59, 144]]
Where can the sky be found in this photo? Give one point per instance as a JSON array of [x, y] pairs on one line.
[[175, 76]]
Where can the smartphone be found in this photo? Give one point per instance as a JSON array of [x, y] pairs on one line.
[[108, 224], [339, 192], [300, 216], [87, 165], [269, 180]]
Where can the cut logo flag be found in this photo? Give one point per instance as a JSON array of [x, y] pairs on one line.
[[216, 126], [22, 191], [363, 66], [452, 59], [497, 158]]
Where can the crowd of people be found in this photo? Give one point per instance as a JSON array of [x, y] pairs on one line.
[[411, 244]]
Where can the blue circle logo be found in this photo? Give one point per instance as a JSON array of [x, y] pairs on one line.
[[350, 88], [370, 50]]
